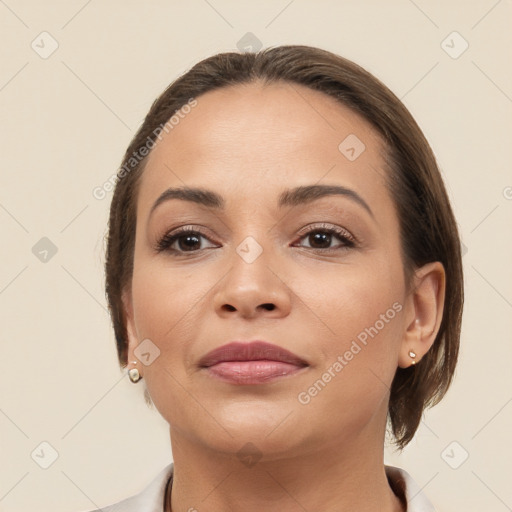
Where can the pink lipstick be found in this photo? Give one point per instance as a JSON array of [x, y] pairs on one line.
[[249, 363]]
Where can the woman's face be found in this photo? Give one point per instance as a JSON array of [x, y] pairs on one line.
[[268, 265]]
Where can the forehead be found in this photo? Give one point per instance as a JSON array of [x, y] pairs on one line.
[[255, 140]]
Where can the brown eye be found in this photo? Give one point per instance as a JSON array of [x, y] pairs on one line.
[[321, 238], [185, 240], [189, 242]]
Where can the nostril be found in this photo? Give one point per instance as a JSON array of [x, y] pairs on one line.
[[268, 306]]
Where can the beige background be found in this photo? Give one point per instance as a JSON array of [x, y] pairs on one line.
[[65, 122]]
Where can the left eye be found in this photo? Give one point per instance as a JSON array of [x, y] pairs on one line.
[[321, 238]]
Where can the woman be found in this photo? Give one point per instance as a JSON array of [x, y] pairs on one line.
[[284, 273]]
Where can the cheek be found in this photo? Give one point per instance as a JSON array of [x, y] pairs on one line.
[[363, 311], [353, 379], [167, 303], [164, 300], [354, 299]]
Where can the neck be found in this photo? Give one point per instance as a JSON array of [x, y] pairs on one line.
[[343, 476]]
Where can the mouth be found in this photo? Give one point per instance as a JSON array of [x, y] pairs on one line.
[[255, 362]]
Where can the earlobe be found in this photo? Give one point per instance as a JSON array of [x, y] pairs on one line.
[[427, 303]]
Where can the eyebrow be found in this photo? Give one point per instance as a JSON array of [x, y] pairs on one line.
[[291, 197]]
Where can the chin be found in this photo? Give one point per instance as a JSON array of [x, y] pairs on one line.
[[272, 434]]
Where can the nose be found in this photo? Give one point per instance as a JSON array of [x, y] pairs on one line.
[[253, 289]]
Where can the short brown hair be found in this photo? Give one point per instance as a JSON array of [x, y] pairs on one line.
[[428, 229]]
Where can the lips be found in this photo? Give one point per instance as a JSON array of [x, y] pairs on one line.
[[252, 351], [256, 362]]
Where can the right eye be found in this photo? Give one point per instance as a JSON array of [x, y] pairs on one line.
[[184, 240]]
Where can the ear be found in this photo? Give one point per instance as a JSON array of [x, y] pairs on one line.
[[424, 313], [131, 330]]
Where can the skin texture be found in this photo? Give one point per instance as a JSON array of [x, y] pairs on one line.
[[249, 143]]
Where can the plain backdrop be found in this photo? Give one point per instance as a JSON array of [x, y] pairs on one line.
[[76, 80]]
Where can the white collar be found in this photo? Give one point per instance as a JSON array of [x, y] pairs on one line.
[[151, 498]]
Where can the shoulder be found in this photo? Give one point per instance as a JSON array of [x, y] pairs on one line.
[[403, 485], [150, 499]]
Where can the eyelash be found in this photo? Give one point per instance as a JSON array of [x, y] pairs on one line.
[[344, 236]]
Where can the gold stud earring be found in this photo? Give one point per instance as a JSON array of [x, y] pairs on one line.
[[413, 355], [134, 374]]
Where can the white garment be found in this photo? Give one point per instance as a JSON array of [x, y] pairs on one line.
[[151, 498]]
